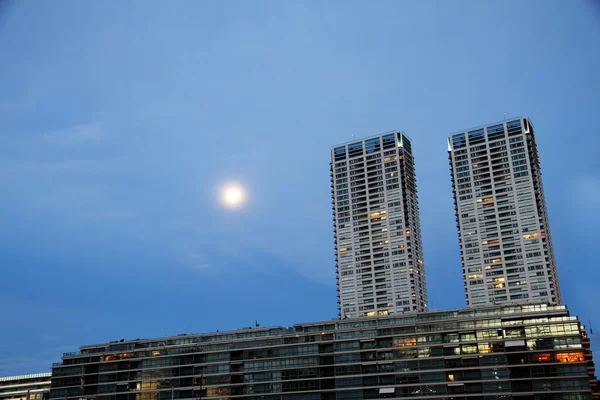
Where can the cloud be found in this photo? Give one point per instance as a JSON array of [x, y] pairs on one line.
[[192, 255], [106, 214], [91, 133], [51, 169], [48, 337]]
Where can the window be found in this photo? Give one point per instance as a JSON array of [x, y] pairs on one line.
[[459, 141], [477, 136], [569, 357]]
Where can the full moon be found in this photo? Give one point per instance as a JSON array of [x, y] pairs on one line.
[[233, 196]]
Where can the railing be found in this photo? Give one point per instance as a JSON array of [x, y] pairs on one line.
[[72, 353], [57, 364], [371, 137]]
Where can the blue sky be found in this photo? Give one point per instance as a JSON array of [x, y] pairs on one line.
[[120, 120]]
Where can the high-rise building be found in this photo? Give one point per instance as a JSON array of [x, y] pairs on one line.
[[25, 387], [504, 236], [379, 257], [516, 352]]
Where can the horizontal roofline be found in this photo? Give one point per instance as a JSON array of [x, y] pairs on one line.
[[30, 376], [491, 123], [370, 137], [329, 321]]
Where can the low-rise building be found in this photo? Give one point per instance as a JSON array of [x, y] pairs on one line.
[[25, 387], [524, 352]]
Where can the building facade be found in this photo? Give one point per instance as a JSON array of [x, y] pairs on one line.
[[504, 235], [524, 352], [25, 387], [379, 256]]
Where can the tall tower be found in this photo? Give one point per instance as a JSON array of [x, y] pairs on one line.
[[379, 256], [503, 232]]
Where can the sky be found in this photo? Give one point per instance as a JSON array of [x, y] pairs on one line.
[[120, 121]]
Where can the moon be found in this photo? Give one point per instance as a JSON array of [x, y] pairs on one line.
[[233, 195]]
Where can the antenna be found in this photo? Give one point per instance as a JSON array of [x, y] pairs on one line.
[[353, 136], [505, 116]]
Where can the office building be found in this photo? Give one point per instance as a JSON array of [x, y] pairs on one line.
[[25, 387], [379, 255], [504, 236], [521, 352]]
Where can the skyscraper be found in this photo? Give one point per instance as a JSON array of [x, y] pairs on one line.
[[379, 256], [503, 232]]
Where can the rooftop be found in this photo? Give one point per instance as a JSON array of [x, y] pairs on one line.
[[370, 137], [509, 310], [491, 123], [21, 377]]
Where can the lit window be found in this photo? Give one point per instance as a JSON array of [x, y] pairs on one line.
[[404, 341], [343, 249], [451, 377], [401, 245], [495, 260], [377, 213], [569, 357], [370, 314], [531, 235], [484, 348], [542, 357], [408, 231], [118, 356]]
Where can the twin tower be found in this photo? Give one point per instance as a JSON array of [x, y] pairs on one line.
[[503, 233]]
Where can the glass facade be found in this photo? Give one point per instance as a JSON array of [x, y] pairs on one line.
[[511, 352], [379, 256]]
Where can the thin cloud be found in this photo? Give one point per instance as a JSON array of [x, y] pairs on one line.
[[91, 133], [49, 338], [188, 255], [51, 169], [107, 214]]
